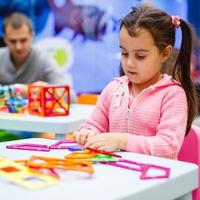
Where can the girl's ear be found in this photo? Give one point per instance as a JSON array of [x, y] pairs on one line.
[[166, 52]]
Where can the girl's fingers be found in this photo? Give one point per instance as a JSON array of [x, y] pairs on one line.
[[80, 137], [105, 148], [83, 139], [94, 145], [77, 137]]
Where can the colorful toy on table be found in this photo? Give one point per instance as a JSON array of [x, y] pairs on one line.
[[42, 147], [143, 168], [7, 91], [11, 99], [66, 144], [70, 137], [82, 160], [29, 146], [23, 175], [49, 172], [16, 104], [95, 155], [48, 100], [89, 155], [75, 148], [59, 163]]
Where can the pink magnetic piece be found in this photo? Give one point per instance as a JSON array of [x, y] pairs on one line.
[[143, 168], [46, 171], [117, 164], [29, 146], [63, 144], [147, 167]]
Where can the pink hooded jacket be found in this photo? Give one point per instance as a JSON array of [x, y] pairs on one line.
[[155, 124]]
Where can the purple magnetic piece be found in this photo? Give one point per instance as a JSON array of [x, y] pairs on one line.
[[117, 164], [143, 168], [147, 167], [29, 146], [59, 144]]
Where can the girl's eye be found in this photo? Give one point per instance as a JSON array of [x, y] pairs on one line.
[[140, 57], [124, 54]]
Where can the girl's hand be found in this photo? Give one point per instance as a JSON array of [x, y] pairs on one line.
[[82, 136], [107, 141]]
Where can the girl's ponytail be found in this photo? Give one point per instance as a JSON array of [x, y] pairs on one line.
[[182, 71]]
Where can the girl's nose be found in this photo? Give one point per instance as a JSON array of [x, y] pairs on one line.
[[130, 63]]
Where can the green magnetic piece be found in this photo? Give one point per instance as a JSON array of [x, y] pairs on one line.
[[104, 158]]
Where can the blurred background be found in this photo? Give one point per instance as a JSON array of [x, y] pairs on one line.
[[82, 35]]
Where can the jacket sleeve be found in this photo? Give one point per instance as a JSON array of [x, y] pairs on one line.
[[170, 131]]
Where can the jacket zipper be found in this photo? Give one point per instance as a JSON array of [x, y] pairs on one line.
[[127, 113]]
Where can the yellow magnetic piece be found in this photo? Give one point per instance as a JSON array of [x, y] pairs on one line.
[[24, 176]]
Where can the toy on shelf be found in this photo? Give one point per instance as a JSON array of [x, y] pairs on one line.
[[48, 100]]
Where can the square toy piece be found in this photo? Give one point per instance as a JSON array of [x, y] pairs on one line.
[[48, 100]]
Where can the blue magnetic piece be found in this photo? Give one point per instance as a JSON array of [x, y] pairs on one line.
[[75, 148]]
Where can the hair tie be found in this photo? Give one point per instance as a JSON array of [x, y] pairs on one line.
[[176, 21]]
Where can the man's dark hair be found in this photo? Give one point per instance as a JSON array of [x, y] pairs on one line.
[[16, 20]]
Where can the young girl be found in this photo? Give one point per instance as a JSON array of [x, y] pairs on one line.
[[145, 111]]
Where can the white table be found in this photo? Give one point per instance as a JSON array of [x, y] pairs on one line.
[[60, 124], [107, 183]]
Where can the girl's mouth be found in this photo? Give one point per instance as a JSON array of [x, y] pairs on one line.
[[133, 73]]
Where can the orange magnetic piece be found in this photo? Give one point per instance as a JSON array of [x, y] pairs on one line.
[[46, 171], [48, 100], [23, 175], [82, 155], [59, 163]]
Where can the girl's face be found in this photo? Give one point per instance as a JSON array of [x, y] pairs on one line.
[[141, 59]]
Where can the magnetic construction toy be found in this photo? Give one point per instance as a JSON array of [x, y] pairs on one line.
[[48, 100], [47, 168]]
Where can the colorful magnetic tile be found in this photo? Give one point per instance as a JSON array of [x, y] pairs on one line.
[[141, 167], [50, 100], [76, 148], [126, 164], [147, 168], [63, 144], [50, 172], [29, 146], [59, 163], [103, 152], [24, 176], [103, 158], [82, 155], [91, 156]]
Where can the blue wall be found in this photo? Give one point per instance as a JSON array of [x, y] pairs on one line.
[[85, 34]]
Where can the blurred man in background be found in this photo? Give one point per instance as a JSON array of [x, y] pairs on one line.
[[23, 64]]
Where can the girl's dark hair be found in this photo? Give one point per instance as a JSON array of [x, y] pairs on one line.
[[159, 24]]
